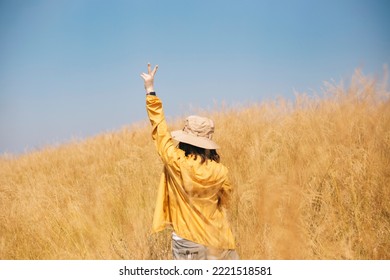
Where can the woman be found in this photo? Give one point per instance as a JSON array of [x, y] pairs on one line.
[[194, 187]]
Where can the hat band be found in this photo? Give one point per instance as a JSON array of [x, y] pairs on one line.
[[198, 134]]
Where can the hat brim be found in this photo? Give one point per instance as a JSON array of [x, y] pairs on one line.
[[202, 142]]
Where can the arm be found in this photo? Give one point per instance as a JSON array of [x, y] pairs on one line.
[[225, 194], [163, 140]]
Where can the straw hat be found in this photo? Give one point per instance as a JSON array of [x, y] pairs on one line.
[[197, 131]]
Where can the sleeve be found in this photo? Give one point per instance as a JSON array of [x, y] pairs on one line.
[[163, 139], [225, 194]]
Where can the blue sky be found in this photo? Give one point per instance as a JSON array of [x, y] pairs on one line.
[[70, 68]]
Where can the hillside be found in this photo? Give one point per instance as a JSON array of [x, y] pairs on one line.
[[312, 181]]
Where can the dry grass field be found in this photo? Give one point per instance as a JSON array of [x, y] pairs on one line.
[[311, 177]]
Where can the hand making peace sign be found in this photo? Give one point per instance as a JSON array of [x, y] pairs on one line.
[[149, 78]]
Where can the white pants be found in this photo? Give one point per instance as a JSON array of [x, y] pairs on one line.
[[183, 249]]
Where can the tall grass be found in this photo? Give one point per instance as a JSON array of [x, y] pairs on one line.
[[312, 181]]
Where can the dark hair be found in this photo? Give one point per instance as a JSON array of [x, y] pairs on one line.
[[205, 154]]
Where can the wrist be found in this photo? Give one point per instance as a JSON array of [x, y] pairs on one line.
[[149, 89]]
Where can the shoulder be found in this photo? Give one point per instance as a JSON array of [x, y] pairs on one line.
[[218, 168]]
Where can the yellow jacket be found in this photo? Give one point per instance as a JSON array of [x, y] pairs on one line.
[[191, 196]]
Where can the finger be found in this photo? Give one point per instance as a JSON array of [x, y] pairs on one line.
[[149, 67], [144, 76], [154, 70]]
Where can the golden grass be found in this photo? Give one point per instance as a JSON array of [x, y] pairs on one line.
[[312, 181]]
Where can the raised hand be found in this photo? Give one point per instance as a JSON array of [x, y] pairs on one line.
[[149, 78]]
